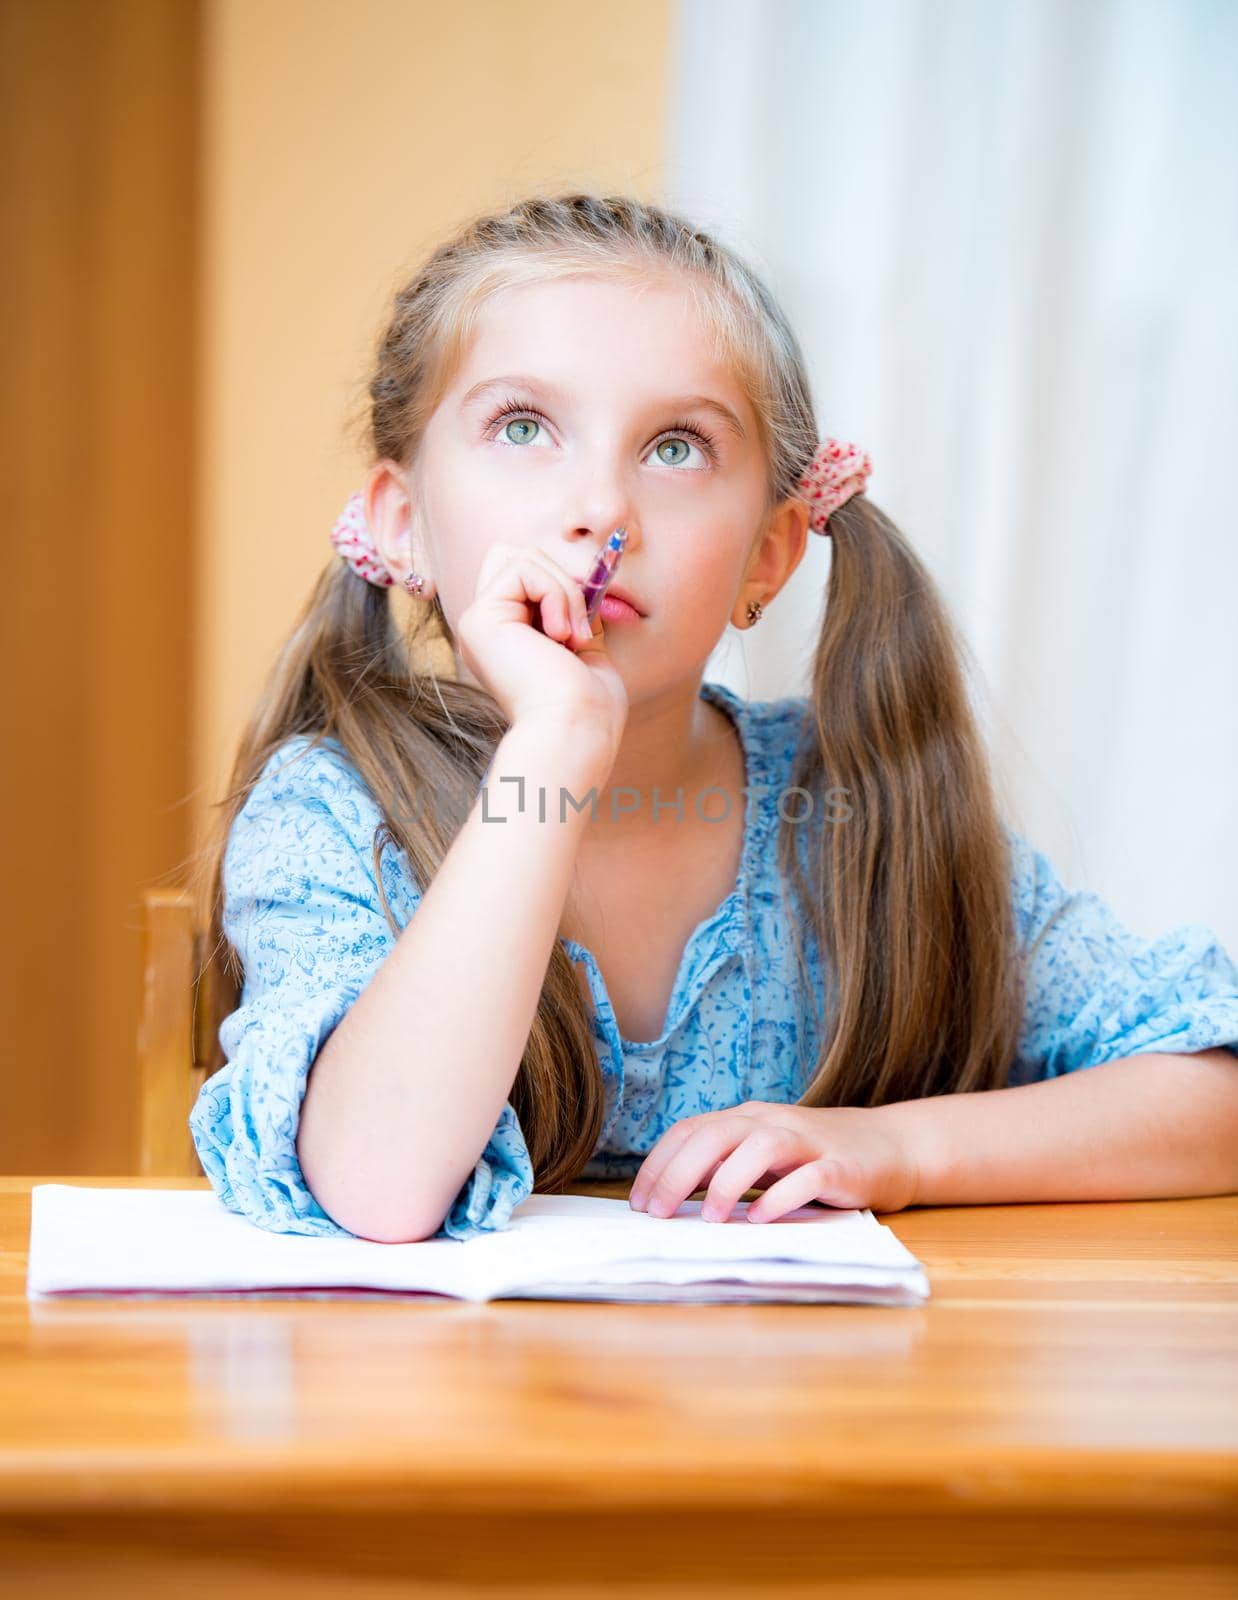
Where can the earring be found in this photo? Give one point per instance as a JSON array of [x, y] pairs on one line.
[[754, 611], [414, 583]]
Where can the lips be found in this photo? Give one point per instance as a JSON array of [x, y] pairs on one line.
[[618, 592]]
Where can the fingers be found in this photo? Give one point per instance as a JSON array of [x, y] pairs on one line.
[[813, 1181], [686, 1166], [597, 632], [746, 1168], [526, 575], [781, 1150], [655, 1163], [543, 584]]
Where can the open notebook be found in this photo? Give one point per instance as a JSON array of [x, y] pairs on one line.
[[87, 1241]]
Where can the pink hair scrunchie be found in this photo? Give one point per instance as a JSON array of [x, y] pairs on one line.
[[836, 472], [351, 536]]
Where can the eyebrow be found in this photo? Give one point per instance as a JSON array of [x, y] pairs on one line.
[[685, 402]]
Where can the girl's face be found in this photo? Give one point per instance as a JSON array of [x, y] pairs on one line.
[[581, 405]]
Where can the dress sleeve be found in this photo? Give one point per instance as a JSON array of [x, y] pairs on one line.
[[301, 905], [1096, 991]]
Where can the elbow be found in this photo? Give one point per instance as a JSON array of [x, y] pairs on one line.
[[392, 1224], [363, 1211], [380, 1226], [417, 1234]]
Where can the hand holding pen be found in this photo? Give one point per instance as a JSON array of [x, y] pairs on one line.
[[526, 604]]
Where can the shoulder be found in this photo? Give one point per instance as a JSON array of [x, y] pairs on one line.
[[772, 728], [300, 853], [310, 776], [310, 769], [308, 807], [1037, 893]]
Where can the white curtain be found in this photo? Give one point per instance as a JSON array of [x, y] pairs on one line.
[[1006, 232]]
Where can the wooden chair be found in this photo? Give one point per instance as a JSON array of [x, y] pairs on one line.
[[178, 1043]]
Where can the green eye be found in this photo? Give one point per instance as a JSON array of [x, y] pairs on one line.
[[670, 444]]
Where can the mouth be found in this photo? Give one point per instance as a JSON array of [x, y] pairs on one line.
[[613, 609], [616, 591]]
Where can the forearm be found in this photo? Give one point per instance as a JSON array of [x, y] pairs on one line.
[[1140, 1128], [408, 1088]]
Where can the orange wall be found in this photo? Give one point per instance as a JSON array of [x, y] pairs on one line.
[[99, 269], [341, 143]]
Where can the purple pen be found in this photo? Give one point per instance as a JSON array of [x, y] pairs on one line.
[[604, 569]]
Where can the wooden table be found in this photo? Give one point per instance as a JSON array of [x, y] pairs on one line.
[[1061, 1417]]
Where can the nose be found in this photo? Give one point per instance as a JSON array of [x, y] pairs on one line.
[[599, 494]]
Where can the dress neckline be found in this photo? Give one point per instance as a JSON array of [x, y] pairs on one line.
[[730, 912]]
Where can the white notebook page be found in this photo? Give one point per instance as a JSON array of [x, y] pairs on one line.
[[98, 1240]]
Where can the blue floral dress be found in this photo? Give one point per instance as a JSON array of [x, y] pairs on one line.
[[301, 905]]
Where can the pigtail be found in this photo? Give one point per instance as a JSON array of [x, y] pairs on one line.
[[906, 889]]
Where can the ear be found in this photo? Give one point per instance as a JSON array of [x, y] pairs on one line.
[[388, 511], [776, 553]]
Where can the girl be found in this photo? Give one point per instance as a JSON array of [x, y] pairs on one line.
[[517, 900]]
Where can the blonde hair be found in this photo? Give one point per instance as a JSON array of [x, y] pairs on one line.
[[909, 901]]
